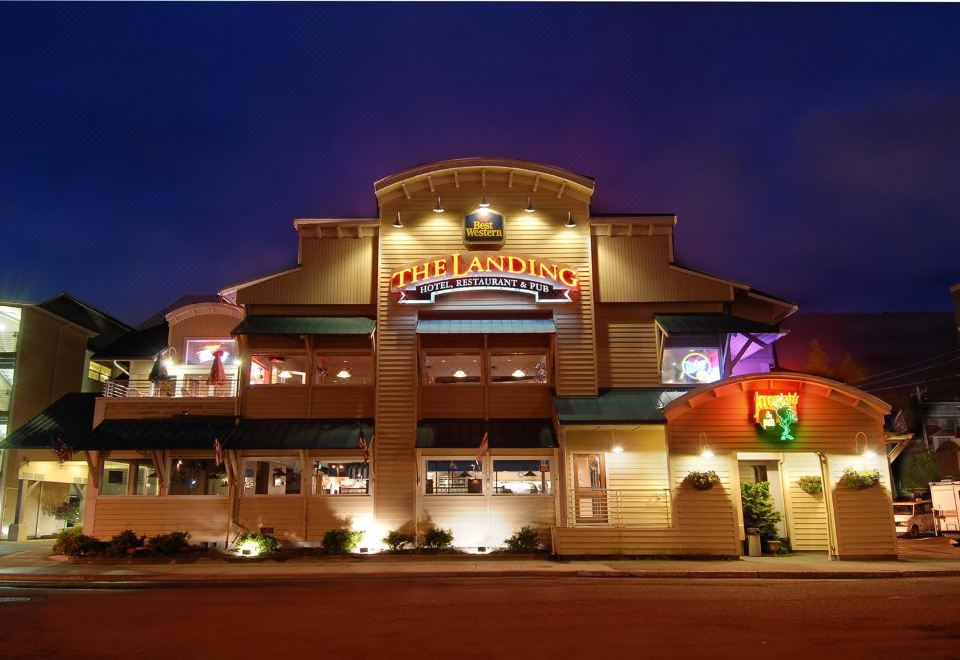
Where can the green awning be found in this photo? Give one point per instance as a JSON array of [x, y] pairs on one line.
[[692, 324], [616, 406], [299, 434], [69, 418], [305, 325], [485, 326], [504, 433]]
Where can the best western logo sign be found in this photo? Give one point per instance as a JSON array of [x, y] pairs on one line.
[[483, 226], [484, 271]]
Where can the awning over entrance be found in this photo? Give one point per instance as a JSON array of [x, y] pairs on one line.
[[305, 325], [485, 326], [616, 406], [188, 432], [504, 433], [703, 324], [69, 419]]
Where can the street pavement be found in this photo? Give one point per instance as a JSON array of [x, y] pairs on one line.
[[508, 617]]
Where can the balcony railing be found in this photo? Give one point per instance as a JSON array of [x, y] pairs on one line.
[[8, 342], [193, 388], [638, 507]]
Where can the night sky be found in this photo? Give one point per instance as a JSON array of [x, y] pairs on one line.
[[149, 151]]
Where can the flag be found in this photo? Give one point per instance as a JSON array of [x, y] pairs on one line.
[[362, 443], [899, 423], [218, 451], [63, 452], [484, 445]]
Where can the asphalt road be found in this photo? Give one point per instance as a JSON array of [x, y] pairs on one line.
[[492, 618]]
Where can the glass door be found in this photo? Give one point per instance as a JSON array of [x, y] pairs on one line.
[[590, 493]]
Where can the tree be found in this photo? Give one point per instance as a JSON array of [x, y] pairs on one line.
[[849, 372], [758, 509], [818, 362]]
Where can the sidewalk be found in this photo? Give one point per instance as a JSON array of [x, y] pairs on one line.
[[29, 565]]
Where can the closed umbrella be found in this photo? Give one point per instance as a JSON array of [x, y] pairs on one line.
[[159, 370], [217, 374]]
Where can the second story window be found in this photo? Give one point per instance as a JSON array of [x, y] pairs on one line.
[[278, 369], [518, 367], [98, 372], [201, 352], [343, 369], [452, 369], [690, 365]]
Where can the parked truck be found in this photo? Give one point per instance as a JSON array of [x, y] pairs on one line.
[[945, 496]]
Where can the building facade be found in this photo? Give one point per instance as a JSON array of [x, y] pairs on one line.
[[485, 354]]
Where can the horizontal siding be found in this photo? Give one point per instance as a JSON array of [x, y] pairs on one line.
[[204, 517], [281, 401], [342, 402], [626, 349], [203, 325], [159, 407], [353, 512], [864, 518], [478, 520], [457, 401], [286, 515], [519, 401], [806, 513]]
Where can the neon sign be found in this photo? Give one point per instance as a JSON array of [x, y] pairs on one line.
[[776, 411], [484, 271], [697, 366]]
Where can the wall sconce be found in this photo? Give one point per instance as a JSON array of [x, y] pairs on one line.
[[398, 223], [529, 207], [705, 451], [867, 452], [439, 207], [570, 223], [616, 447]]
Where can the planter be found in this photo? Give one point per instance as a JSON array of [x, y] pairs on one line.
[[773, 546], [702, 480], [810, 484], [860, 480]]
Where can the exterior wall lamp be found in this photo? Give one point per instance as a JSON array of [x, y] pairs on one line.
[[398, 223], [570, 223]]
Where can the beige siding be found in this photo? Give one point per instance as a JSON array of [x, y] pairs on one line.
[[356, 513], [276, 402], [864, 518], [626, 348], [334, 271], [204, 517], [286, 515], [806, 513], [160, 407], [202, 326]]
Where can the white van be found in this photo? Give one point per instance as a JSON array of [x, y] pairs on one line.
[[913, 518], [946, 503]]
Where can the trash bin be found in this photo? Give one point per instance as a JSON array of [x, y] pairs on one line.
[[753, 542]]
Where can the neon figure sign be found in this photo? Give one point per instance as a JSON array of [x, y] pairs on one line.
[[776, 411], [547, 282]]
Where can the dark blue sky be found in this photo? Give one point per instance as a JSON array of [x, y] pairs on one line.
[[148, 151]]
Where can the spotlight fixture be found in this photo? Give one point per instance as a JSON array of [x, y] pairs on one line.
[[439, 207], [529, 207], [483, 202], [398, 223], [570, 223], [617, 449]]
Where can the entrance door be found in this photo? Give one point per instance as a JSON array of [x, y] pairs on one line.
[[590, 492]]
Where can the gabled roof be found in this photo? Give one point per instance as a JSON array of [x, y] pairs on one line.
[[105, 327], [142, 344], [70, 418]]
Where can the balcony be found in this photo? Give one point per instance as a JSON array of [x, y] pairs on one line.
[[192, 389], [144, 399]]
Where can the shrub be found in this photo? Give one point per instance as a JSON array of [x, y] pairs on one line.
[[74, 543], [524, 540], [810, 484], [125, 543], [702, 480], [437, 539], [256, 544], [68, 512], [397, 540], [860, 479], [758, 509], [341, 541], [169, 544]]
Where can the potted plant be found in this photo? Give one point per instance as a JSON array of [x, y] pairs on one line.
[[810, 484], [860, 479], [758, 512], [702, 480]]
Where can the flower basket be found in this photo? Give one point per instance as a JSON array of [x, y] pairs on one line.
[[702, 480], [860, 479], [810, 484]]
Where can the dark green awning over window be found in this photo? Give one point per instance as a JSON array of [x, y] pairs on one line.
[[485, 326], [305, 325], [299, 434], [69, 418], [710, 324], [467, 433], [613, 406]]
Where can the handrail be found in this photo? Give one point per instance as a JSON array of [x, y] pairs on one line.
[[190, 388], [622, 507]]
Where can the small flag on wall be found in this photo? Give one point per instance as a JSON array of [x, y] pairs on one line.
[[63, 452], [484, 446], [218, 451], [362, 443]]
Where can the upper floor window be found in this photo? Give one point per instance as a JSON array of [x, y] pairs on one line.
[[518, 367], [690, 365], [452, 368], [343, 369], [201, 351], [98, 372], [278, 369]]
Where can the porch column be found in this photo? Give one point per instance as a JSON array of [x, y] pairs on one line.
[[18, 531]]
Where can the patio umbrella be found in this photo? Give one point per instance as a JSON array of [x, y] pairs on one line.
[[217, 374], [159, 370]]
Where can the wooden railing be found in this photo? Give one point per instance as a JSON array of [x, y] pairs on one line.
[[8, 342], [168, 388], [638, 507]]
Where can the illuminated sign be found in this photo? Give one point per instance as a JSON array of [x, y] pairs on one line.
[[484, 271], [697, 366], [483, 227], [777, 412]]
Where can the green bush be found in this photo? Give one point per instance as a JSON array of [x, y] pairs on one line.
[[125, 543], [340, 541], [758, 509], [860, 479], [437, 539], [74, 543], [525, 540], [256, 544], [68, 512], [702, 480], [169, 544], [917, 471], [397, 540], [810, 484]]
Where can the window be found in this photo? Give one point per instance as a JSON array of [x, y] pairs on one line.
[[451, 369], [341, 477], [98, 372], [201, 351], [277, 369], [518, 368], [454, 477], [129, 477], [197, 476], [522, 476], [333, 369], [690, 365], [273, 475]]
